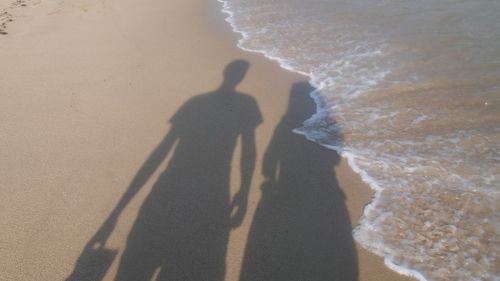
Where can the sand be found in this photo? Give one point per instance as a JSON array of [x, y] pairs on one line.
[[87, 91]]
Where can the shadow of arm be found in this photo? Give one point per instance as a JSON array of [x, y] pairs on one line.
[[247, 166], [270, 162], [142, 176]]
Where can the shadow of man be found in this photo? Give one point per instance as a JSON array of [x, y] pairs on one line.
[[183, 226], [301, 229]]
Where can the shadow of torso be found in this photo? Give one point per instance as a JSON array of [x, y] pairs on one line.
[[183, 225]]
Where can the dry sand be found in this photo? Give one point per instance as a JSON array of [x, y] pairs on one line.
[[87, 88]]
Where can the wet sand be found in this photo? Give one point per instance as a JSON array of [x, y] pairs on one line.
[[92, 154]]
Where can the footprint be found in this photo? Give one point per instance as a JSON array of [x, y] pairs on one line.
[[6, 16]]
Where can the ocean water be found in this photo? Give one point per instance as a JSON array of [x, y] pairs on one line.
[[413, 87]]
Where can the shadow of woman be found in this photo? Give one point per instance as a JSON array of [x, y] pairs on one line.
[[182, 228], [301, 229]]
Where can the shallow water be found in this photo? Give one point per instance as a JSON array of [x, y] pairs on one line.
[[414, 89]]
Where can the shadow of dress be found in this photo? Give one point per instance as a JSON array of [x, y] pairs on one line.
[[301, 229]]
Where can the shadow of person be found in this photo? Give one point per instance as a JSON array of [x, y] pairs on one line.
[[182, 228], [301, 229]]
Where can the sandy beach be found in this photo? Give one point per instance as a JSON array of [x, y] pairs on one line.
[[138, 141]]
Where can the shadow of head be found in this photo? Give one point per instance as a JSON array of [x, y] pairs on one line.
[[234, 74], [300, 105]]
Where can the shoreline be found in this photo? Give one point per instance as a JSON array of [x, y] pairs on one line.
[[347, 159], [102, 109]]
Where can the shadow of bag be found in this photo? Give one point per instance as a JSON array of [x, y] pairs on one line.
[[92, 265]]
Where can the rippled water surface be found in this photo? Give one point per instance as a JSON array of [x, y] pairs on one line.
[[414, 87]]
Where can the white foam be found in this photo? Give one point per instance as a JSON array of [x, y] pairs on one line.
[[230, 19], [403, 270]]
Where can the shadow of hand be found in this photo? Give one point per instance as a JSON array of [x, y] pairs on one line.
[[95, 259], [102, 235], [238, 209]]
